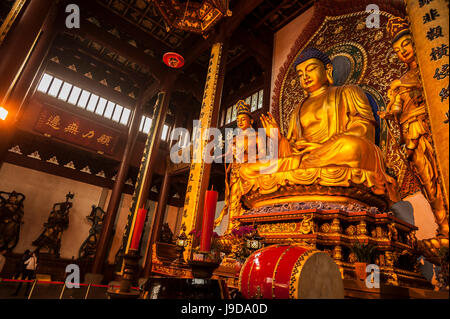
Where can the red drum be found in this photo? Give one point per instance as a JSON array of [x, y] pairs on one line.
[[290, 272]]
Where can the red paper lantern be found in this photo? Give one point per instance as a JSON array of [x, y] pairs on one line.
[[173, 60]]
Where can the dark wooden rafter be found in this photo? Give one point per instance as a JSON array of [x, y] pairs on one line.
[[225, 29], [268, 15], [293, 15], [125, 26], [186, 84], [258, 48], [89, 53], [90, 31]]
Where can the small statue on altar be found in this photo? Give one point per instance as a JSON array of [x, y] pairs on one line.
[[11, 214], [166, 234], [244, 149], [57, 222], [407, 109]]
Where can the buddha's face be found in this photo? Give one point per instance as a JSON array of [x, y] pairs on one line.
[[243, 121], [403, 47], [312, 74]]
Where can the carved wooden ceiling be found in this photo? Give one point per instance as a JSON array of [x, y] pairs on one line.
[[275, 14], [145, 15]]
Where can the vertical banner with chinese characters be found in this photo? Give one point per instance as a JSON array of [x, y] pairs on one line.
[[192, 203], [73, 129], [429, 27], [142, 182]]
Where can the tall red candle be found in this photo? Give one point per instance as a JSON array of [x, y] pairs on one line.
[[138, 228], [209, 212]]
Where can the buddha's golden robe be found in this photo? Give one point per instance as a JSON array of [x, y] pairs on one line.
[[338, 127]]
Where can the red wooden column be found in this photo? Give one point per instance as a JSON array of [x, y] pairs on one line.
[[114, 201], [22, 54]]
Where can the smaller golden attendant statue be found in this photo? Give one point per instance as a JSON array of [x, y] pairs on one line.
[[244, 149], [407, 107]]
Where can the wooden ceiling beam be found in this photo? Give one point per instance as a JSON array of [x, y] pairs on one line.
[[268, 15], [68, 45], [225, 29], [186, 84], [258, 48], [128, 27], [107, 40]]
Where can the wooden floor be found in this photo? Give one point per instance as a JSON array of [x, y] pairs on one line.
[[358, 289]]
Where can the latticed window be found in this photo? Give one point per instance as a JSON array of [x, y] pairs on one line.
[[93, 103]]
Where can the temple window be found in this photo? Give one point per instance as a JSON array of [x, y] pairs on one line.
[[83, 99], [146, 123]]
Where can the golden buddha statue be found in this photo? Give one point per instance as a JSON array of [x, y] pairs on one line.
[[328, 150], [244, 149], [407, 107]]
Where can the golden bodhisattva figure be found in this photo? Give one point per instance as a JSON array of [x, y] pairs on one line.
[[329, 144], [244, 149], [407, 107]]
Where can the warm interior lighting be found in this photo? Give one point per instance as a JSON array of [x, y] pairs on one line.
[[3, 113]]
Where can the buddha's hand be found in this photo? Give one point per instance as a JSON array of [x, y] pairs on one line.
[[270, 126], [305, 147]]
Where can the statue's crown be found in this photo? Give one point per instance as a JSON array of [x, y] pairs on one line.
[[310, 53], [243, 108], [397, 27]]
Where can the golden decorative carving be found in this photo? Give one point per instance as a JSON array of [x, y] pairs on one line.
[[392, 232], [325, 228], [337, 253], [361, 228], [336, 226], [307, 225], [351, 230], [277, 228]]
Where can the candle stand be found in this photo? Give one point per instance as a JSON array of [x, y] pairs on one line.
[[131, 264], [202, 267]]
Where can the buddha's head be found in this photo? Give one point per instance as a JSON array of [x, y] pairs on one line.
[[244, 119], [314, 70], [403, 47], [402, 44]]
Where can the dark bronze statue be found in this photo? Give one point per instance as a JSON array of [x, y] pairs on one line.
[[166, 234], [11, 214], [57, 222], [88, 247]]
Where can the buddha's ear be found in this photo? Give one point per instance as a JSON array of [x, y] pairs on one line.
[[329, 70]]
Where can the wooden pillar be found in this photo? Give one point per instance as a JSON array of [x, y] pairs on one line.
[[19, 43], [157, 222], [35, 66], [142, 188], [200, 171], [158, 219], [114, 201], [22, 55]]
